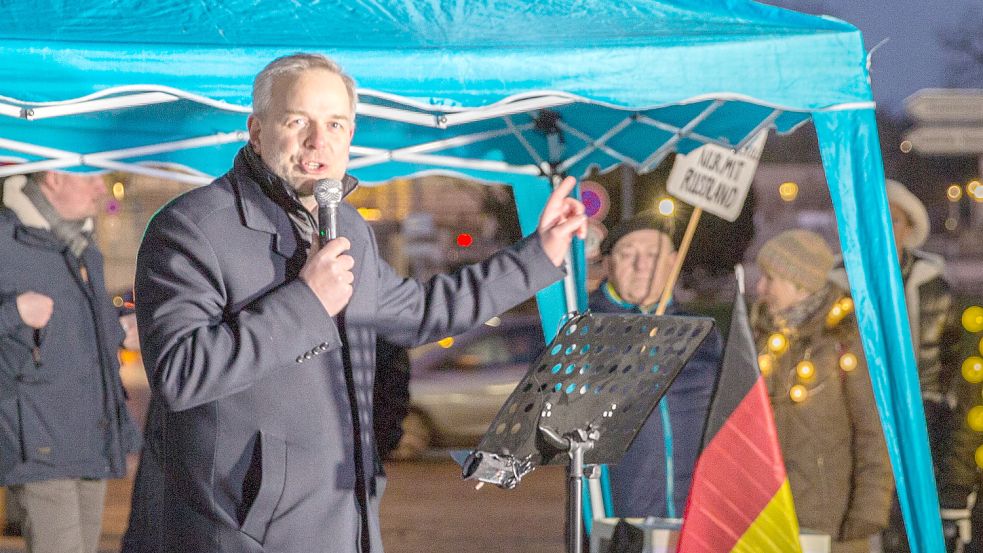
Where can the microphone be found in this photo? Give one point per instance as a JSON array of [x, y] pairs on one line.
[[327, 193]]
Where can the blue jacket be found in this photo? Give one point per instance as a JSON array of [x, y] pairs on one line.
[[62, 415], [653, 478]]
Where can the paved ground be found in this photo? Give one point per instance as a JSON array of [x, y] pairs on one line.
[[427, 507]]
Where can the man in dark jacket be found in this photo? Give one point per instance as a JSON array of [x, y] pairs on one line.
[[65, 428], [261, 344], [653, 478]]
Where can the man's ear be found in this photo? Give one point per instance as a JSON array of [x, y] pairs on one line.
[[253, 124]]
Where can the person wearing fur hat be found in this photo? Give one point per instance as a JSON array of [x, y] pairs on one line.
[[654, 476], [64, 428], [934, 334], [821, 395]]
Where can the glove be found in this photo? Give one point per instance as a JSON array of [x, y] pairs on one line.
[[957, 528]]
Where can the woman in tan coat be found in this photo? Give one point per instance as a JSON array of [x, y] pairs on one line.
[[825, 414]]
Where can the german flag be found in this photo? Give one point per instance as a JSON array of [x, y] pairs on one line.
[[740, 498]]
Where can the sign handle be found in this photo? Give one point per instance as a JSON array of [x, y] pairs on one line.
[[680, 257]]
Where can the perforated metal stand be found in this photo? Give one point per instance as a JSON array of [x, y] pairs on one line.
[[584, 400]]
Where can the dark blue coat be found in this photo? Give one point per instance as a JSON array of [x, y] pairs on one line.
[[63, 417], [258, 450], [654, 476]]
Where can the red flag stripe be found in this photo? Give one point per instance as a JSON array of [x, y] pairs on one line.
[[732, 460]]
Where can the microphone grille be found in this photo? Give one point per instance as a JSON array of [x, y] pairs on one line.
[[328, 192]]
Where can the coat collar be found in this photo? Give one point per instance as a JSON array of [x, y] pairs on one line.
[[18, 202]]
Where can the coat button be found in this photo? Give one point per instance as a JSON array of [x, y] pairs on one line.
[[308, 355], [300, 359]]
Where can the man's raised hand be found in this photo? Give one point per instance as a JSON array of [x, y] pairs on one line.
[[562, 219]]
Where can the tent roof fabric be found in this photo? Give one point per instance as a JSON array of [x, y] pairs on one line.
[[427, 70]]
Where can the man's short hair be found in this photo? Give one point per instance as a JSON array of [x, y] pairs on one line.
[[291, 65], [646, 220]]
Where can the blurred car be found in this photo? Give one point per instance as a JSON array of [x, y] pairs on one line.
[[458, 385]]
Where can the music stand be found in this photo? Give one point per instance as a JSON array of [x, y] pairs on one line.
[[587, 395]]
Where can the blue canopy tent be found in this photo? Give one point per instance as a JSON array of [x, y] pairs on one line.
[[497, 91]]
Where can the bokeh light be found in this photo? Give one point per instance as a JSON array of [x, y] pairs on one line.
[[798, 393], [806, 370], [954, 193], [464, 240], [777, 343], [973, 318], [975, 418], [973, 369], [788, 191], [446, 342], [848, 362], [666, 207]]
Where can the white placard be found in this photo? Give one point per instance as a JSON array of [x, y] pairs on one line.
[[715, 178]]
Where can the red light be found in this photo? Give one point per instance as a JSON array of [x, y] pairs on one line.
[[464, 240]]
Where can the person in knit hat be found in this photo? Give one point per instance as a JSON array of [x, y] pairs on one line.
[[820, 392]]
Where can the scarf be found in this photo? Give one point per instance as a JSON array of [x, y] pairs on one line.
[[68, 232], [283, 195]]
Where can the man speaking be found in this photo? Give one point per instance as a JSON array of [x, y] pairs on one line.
[[261, 344]]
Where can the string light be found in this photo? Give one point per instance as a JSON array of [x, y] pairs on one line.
[[798, 393], [839, 311], [777, 343], [766, 363], [848, 362], [975, 418], [973, 318], [973, 369], [446, 342], [788, 191], [806, 370], [666, 206]]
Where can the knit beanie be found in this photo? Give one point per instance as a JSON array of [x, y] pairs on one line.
[[901, 197], [646, 220], [799, 256]]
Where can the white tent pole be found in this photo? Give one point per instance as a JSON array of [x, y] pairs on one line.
[[525, 143], [187, 144], [480, 164], [150, 171], [765, 123], [502, 110], [35, 166], [593, 144], [670, 144], [394, 114], [105, 104], [373, 156], [10, 110], [674, 129], [35, 150]]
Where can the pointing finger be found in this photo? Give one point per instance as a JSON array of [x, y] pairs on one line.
[[559, 193]]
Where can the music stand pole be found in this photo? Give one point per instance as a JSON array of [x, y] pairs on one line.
[[575, 443]]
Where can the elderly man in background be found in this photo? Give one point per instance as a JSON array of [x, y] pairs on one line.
[[64, 428], [654, 476]]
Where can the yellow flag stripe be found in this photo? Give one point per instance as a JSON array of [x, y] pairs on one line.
[[774, 529]]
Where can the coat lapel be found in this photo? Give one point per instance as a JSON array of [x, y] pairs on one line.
[[260, 213]]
